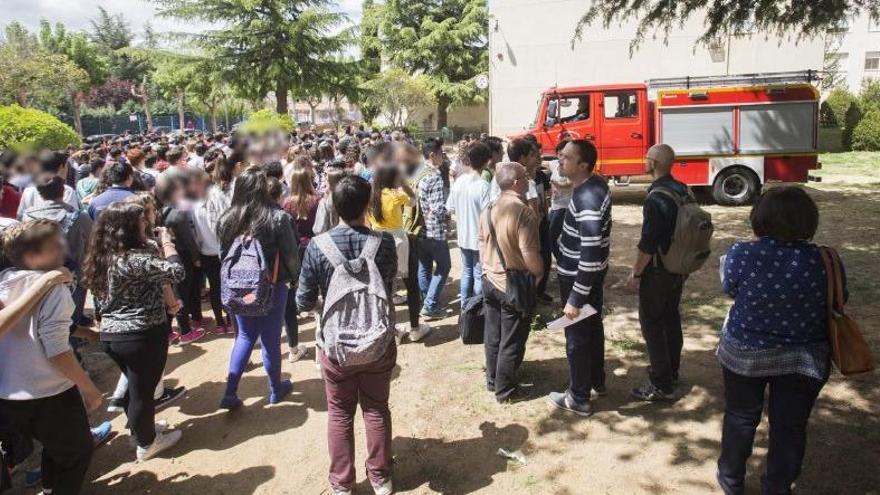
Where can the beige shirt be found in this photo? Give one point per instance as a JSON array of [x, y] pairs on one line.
[[517, 228]]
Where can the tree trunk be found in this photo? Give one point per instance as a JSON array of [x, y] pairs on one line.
[[442, 111], [144, 97], [281, 97], [213, 111], [312, 114], [180, 109], [22, 98], [77, 117]]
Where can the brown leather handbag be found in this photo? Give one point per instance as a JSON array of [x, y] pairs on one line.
[[849, 349]]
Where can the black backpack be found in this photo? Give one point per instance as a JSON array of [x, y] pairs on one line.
[[471, 321]]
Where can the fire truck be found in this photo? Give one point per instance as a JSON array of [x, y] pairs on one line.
[[731, 134]]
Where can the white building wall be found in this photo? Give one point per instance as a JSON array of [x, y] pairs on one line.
[[854, 44], [530, 50]]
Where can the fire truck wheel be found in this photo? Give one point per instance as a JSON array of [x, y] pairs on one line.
[[736, 186]]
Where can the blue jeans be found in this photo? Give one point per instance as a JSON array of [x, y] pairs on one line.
[[434, 266], [268, 330], [471, 274]]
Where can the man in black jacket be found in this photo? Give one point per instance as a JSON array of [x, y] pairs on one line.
[[659, 290]]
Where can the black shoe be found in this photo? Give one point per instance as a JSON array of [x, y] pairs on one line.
[[649, 393], [564, 401], [116, 405], [169, 395]]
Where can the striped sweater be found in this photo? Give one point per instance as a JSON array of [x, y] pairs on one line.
[[586, 237]]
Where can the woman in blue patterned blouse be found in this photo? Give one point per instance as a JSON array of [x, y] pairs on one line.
[[776, 335]]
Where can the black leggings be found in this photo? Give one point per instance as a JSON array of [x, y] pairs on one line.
[[291, 312], [211, 270], [188, 291], [411, 282], [142, 361]]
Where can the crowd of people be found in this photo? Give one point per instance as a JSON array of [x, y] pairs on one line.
[[338, 227]]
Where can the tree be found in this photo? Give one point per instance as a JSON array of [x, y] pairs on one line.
[[114, 92], [866, 135], [727, 17], [83, 53], [445, 42], [173, 77], [112, 34], [29, 75], [279, 45], [851, 121], [839, 100], [208, 90], [371, 54], [396, 94], [27, 129]]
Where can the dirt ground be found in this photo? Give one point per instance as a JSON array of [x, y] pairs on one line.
[[447, 428]]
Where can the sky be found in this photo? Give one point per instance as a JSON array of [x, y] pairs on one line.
[[75, 14]]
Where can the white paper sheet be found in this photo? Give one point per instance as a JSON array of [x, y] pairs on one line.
[[563, 322]]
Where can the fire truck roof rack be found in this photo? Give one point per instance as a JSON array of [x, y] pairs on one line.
[[760, 79]]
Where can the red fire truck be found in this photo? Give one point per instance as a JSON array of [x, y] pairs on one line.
[[730, 133]]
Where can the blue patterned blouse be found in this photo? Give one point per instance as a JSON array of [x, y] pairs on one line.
[[777, 324]]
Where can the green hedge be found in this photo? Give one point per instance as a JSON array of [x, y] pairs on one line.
[[866, 135], [267, 120], [26, 129]]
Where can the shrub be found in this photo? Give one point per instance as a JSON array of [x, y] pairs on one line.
[[851, 120], [27, 129], [866, 135], [826, 115], [869, 96], [838, 102], [267, 120]]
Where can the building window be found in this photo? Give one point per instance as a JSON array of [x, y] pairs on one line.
[[872, 61], [624, 105]]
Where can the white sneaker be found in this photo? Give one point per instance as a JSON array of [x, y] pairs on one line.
[[163, 441], [417, 334], [297, 353], [341, 491], [401, 330], [383, 489], [161, 427]]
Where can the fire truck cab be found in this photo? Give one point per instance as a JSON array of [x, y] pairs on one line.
[[730, 133]]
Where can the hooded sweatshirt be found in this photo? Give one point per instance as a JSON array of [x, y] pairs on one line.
[[77, 226]]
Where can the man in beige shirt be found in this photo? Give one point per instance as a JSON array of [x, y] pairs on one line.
[[516, 226]]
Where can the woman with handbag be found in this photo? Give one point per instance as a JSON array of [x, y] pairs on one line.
[[776, 336]]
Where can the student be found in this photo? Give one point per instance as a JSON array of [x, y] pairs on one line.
[[326, 217], [512, 230], [175, 213], [13, 311], [584, 246], [367, 384], [55, 163], [144, 180], [219, 197], [42, 386], [659, 291], [209, 256], [302, 206], [254, 213], [769, 343], [560, 197], [128, 278], [121, 177], [434, 260], [390, 195], [468, 198], [86, 186]]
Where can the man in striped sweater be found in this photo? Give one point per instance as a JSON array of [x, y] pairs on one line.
[[583, 263]]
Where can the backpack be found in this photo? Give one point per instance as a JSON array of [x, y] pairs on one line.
[[472, 321], [247, 282], [357, 322], [691, 237]]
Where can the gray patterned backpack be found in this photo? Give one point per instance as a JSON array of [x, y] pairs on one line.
[[357, 322]]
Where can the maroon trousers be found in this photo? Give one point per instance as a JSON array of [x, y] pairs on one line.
[[370, 386]]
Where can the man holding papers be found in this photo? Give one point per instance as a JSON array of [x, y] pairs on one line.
[[582, 265]]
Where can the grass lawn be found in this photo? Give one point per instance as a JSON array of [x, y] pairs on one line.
[[850, 163]]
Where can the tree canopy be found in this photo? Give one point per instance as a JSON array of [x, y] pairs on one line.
[[396, 94], [443, 41], [802, 18], [266, 45]]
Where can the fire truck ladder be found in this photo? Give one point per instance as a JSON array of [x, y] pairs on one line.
[[760, 79]]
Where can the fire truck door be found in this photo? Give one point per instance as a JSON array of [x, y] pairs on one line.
[[623, 133], [573, 117]]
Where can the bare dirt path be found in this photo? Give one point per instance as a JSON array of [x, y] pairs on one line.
[[447, 429]]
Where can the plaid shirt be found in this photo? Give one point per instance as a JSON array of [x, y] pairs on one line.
[[432, 201]]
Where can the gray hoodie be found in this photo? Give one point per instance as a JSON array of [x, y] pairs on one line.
[[77, 225]]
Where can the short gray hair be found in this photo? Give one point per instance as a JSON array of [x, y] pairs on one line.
[[506, 173]]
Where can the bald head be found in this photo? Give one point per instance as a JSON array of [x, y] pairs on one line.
[[662, 156]]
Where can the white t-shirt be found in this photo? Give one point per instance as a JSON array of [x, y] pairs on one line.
[[468, 197], [559, 199]]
